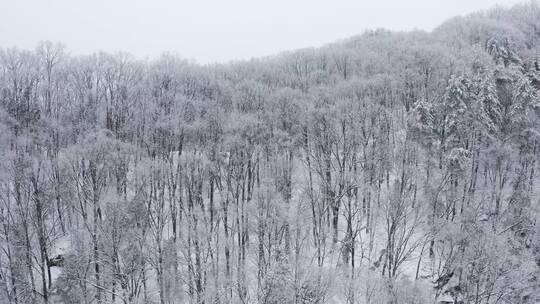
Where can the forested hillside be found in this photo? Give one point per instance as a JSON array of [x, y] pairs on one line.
[[392, 167]]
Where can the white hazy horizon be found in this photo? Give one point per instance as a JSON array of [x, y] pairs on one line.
[[208, 31]]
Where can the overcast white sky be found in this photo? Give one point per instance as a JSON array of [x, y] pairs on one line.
[[214, 30]]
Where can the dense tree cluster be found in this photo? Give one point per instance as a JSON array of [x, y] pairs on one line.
[[387, 168]]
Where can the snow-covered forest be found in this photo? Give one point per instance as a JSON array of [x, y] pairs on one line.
[[391, 167]]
